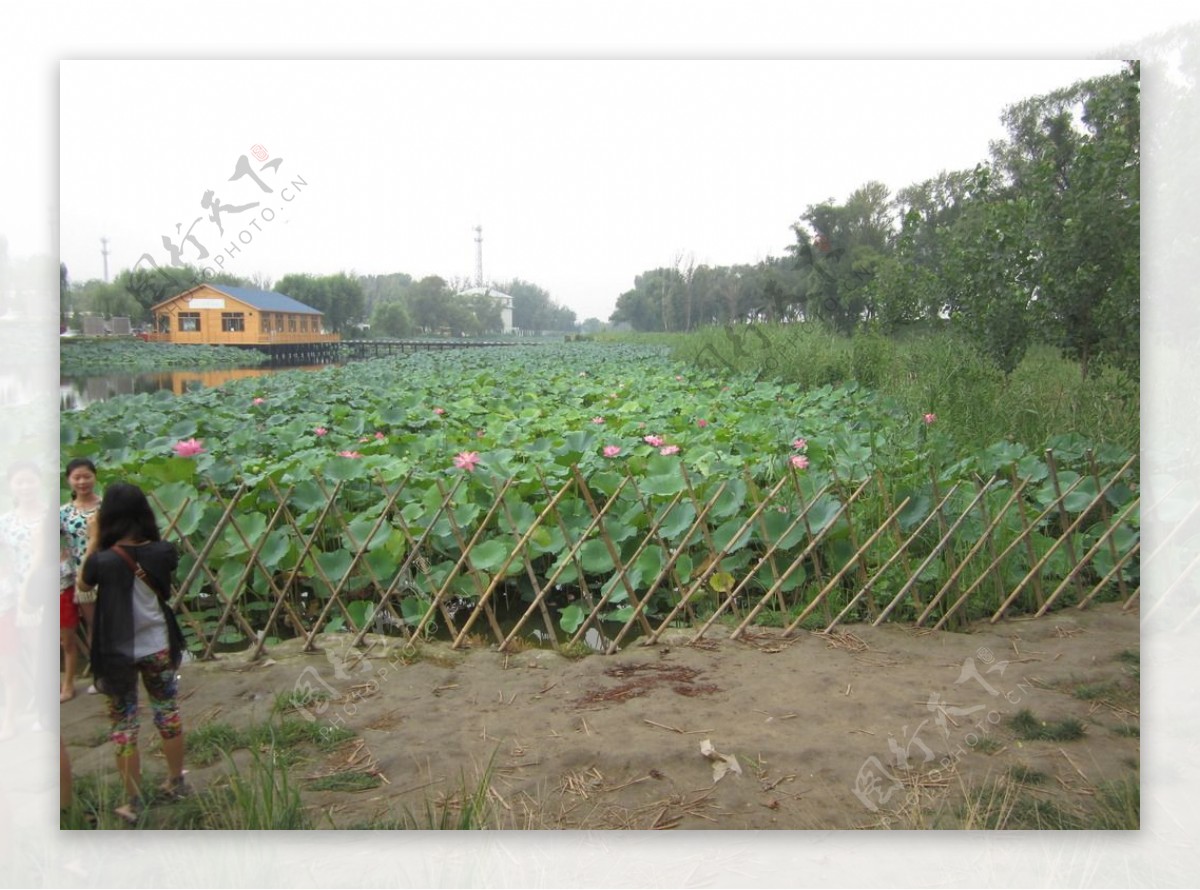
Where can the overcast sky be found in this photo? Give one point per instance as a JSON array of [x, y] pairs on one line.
[[582, 174]]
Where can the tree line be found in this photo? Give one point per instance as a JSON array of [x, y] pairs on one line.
[[393, 305], [1039, 242]]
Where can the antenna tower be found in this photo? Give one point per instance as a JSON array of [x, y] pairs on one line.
[[479, 256], [104, 253]]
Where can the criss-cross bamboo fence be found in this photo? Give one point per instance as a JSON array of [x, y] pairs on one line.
[[630, 560]]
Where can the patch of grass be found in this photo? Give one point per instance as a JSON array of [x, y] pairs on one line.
[[345, 781], [468, 810], [1128, 730], [292, 733], [95, 738], [988, 745], [1133, 660], [261, 797], [94, 796], [1119, 805], [1030, 728], [298, 699], [1019, 772], [1003, 805], [1094, 691], [206, 743], [575, 650]]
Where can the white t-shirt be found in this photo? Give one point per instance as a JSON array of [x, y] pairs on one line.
[[149, 629]]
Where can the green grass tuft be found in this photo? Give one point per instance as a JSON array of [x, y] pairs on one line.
[[1029, 727]]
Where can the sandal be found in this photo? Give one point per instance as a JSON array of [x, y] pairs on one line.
[[131, 812], [175, 789]]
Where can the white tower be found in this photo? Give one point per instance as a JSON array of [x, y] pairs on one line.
[[479, 256]]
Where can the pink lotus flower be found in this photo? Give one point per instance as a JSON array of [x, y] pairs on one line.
[[364, 438], [800, 444], [799, 461], [349, 454], [466, 460], [258, 401], [669, 449], [479, 434], [597, 419], [188, 447], [678, 376], [378, 434], [320, 431], [655, 441], [612, 450], [439, 410], [702, 423], [929, 418]]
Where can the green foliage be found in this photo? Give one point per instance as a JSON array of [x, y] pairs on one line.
[[1029, 727], [90, 356], [533, 416]]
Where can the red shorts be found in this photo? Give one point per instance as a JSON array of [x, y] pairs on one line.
[[68, 612]]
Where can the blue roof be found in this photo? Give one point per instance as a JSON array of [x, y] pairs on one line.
[[266, 300]]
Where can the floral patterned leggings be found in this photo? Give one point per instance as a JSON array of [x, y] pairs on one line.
[[159, 678]]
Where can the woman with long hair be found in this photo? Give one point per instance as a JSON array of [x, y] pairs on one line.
[[130, 567], [73, 517]]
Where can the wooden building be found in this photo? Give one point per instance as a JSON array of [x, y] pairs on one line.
[[220, 315]]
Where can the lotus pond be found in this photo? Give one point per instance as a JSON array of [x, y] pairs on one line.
[[531, 418]]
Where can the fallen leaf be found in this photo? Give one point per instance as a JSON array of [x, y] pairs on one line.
[[722, 763]]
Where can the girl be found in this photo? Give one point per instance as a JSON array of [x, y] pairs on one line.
[[130, 567]]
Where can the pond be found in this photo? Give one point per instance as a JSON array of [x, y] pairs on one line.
[[77, 392]]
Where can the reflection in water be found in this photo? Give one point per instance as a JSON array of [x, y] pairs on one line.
[[75, 393]]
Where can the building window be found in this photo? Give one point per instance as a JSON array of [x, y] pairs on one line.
[[304, 324], [279, 322], [189, 321], [265, 321], [233, 322], [292, 323]]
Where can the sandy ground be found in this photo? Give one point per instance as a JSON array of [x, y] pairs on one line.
[[869, 727]]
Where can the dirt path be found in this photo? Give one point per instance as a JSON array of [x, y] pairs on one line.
[[821, 728]]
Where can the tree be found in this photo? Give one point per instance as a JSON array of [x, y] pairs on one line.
[[338, 297], [534, 309], [841, 248], [392, 319], [1075, 153]]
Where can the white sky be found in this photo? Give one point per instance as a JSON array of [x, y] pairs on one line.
[[583, 174]]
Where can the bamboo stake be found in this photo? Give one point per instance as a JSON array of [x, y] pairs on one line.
[[1106, 513], [799, 561], [405, 568], [243, 578], [613, 554], [912, 580], [1062, 512], [1038, 593], [531, 574], [563, 563], [1015, 543], [1058, 542], [1087, 557], [697, 523], [725, 551], [824, 592], [978, 545], [638, 607], [472, 572], [1116, 568]]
